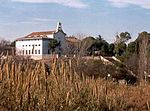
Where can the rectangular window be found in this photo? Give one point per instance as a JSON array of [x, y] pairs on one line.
[[39, 51], [23, 52], [23, 45], [26, 51], [29, 52], [48, 51], [32, 51], [39, 44], [35, 51]]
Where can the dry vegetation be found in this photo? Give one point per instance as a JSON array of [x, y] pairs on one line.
[[27, 85]]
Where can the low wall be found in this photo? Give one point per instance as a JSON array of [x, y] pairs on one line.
[[48, 56], [36, 57]]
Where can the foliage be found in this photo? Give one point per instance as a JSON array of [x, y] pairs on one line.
[[132, 48], [6, 47], [12, 44], [53, 44], [120, 43], [120, 49], [90, 46], [101, 45], [111, 49], [123, 37], [87, 45]]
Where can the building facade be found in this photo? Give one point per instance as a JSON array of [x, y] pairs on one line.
[[36, 44]]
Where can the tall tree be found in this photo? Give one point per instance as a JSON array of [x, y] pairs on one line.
[[120, 43], [123, 37], [101, 45]]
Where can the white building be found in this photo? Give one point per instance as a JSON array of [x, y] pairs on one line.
[[36, 44]]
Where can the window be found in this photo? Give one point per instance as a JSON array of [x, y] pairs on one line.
[[22, 45], [32, 51], [26, 51], [29, 51], [36, 45], [39, 51], [48, 51], [29, 45], [23, 52], [39, 44], [26, 45], [35, 51]]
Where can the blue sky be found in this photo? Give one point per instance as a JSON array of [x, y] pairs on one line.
[[88, 17]]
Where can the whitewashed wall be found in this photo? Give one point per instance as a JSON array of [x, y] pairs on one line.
[[28, 45], [50, 36]]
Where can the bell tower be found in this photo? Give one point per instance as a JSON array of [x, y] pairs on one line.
[[59, 26]]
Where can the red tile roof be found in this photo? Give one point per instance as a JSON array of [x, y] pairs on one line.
[[37, 35], [40, 34]]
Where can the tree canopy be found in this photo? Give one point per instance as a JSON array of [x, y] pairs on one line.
[[53, 44], [120, 43]]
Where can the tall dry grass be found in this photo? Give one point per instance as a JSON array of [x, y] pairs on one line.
[[27, 85]]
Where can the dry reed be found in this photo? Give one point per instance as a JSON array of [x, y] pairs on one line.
[[27, 85]]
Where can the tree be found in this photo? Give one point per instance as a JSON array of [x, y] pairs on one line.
[[104, 49], [53, 44], [123, 37], [12, 44], [120, 43], [80, 37], [120, 49], [131, 48], [6, 47], [87, 45], [101, 45], [111, 49], [72, 45]]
